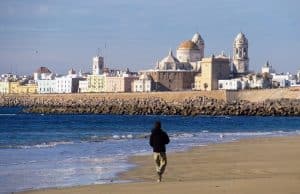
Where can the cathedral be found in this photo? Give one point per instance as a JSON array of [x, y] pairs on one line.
[[188, 56], [175, 73]]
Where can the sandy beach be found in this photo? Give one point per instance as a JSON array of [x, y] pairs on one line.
[[262, 165]]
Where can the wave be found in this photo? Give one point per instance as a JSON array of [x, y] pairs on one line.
[[204, 134], [41, 145], [7, 114], [95, 138]]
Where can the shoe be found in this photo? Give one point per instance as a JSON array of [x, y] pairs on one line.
[[159, 177]]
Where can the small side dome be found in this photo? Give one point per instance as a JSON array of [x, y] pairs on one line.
[[189, 45]]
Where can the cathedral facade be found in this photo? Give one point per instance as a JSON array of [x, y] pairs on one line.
[[175, 73]]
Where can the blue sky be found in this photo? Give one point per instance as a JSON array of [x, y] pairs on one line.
[[62, 34]]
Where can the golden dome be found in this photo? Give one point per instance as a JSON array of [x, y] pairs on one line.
[[188, 44]]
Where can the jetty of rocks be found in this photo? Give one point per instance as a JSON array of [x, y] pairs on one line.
[[151, 104]]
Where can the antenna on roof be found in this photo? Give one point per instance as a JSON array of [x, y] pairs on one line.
[[98, 51]]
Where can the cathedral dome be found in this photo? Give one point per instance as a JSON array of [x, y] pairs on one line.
[[189, 45]]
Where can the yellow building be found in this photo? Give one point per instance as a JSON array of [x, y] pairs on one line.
[[96, 83], [14, 87], [17, 88], [27, 89], [212, 69], [4, 87]]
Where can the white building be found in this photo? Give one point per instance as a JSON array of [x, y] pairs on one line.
[[98, 65], [62, 84], [232, 84], [46, 86], [281, 80], [83, 86], [9, 77], [256, 82], [43, 73], [143, 84], [267, 68], [67, 84]]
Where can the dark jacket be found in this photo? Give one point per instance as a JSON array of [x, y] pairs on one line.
[[158, 140]]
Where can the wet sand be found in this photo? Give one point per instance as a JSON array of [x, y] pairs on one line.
[[262, 165]]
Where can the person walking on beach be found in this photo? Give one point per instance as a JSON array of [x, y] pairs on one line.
[[158, 141]]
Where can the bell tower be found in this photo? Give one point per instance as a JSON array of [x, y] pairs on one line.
[[98, 65], [240, 54]]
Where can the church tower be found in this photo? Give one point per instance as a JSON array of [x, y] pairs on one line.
[[240, 54], [98, 65], [198, 40]]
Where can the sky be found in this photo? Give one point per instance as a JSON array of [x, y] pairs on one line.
[[64, 34]]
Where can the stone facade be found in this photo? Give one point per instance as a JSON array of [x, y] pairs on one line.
[[172, 80], [212, 70], [118, 84]]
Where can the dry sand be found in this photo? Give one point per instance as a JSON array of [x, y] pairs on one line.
[[252, 166]]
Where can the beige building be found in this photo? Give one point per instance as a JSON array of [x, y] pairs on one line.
[[96, 83], [212, 70], [119, 84]]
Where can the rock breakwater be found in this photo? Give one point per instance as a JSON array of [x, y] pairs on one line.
[[156, 106]]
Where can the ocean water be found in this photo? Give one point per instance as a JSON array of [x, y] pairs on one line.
[[41, 151]]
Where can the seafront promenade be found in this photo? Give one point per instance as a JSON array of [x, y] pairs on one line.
[[272, 102]]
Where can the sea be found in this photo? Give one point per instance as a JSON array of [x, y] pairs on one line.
[[43, 151]]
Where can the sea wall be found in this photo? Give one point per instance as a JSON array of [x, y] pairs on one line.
[[283, 102], [265, 94]]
